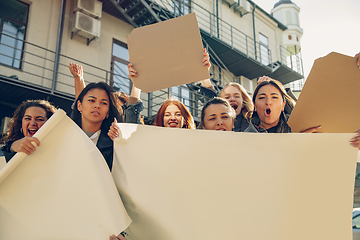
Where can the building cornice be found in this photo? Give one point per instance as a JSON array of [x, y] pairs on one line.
[[279, 24]]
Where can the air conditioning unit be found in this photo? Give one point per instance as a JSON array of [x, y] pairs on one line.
[[92, 8], [5, 124], [243, 7], [86, 26], [232, 2]]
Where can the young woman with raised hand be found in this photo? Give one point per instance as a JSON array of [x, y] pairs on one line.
[[94, 112], [27, 120], [131, 105], [217, 114]]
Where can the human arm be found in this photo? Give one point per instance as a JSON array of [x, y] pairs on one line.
[[206, 62], [355, 141], [25, 144], [134, 105], [311, 130], [77, 72], [135, 92], [8, 154]]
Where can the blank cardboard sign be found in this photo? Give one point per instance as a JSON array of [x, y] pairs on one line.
[[204, 192], [167, 54], [330, 96]]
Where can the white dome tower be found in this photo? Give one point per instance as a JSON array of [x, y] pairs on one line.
[[287, 13]]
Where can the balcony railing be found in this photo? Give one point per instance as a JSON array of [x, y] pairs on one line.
[[36, 68], [235, 38]]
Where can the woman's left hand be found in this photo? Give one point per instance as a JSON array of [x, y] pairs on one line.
[[355, 141], [114, 130], [311, 130]]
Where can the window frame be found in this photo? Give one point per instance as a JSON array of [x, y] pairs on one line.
[[263, 45], [117, 59], [25, 24], [179, 7]]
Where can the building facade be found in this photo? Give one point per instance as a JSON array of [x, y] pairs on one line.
[[39, 38]]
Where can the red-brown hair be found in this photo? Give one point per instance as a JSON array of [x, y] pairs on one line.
[[188, 119]]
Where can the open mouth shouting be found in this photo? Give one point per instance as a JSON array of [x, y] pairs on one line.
[[32, 131], [267, 112], [234, 105]]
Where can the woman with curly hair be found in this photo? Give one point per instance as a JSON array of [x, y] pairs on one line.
[[27, 120]]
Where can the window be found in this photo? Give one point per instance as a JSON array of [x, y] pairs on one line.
[[120, 59], [264, 49], [297, 19], [288, 18], [175, 92], [183, 94], [13, 19], [181, 7]]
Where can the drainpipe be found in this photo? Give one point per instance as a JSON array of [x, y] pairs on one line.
[[58, 45], [217, 18], [253, 17]]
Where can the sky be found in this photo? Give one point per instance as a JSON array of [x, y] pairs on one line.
[[328, 25]]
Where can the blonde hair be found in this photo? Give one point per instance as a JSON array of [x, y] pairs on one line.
[[247, 105]]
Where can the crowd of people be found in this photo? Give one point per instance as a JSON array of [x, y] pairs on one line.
[[98, 108]]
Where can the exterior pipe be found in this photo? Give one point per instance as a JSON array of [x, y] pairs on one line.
[[58, 45], [253, 17], [217, 18]]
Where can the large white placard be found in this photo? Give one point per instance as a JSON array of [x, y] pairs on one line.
[[197, 184], [64, 190]]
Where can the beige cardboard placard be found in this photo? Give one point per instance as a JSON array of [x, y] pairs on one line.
[[330, 96], [63, 190], [196, 184], [167, 54], [2, 162]]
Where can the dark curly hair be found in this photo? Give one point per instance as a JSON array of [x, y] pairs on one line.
[[14, 133]]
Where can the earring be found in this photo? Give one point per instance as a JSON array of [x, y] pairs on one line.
[[21, 130]]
